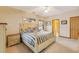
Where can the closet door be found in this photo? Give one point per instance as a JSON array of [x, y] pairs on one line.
[[74, 28], [77, 21]]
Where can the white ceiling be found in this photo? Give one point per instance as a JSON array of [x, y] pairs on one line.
[[52, 10]]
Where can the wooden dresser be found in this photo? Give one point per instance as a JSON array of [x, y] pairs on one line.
[[2, 37], [13, 39]]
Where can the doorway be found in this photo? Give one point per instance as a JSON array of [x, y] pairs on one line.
[[56, 27]]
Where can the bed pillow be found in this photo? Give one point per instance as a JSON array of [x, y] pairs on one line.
[[29, 30]]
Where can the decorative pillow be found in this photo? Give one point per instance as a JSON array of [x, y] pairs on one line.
[[29, 30]]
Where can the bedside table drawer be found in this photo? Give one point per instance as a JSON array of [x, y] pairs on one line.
[[13, 39]]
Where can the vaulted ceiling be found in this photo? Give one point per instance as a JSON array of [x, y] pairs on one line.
[[46, 10]]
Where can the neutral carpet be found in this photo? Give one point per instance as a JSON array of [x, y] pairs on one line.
[[53, 48], [70, 43]]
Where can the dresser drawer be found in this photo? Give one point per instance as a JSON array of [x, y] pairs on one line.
[[13, 39]]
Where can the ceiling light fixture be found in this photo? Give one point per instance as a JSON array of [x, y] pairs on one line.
[[46, 9]]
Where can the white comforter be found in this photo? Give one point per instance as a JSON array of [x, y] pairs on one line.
[[41, 37], [28, 37]]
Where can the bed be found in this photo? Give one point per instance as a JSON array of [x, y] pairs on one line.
[[37, 41]]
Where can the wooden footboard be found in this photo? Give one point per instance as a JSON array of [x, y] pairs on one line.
[[41, 46], [44, 44]]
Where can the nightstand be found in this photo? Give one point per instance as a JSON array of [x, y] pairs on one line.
[[13, 39]]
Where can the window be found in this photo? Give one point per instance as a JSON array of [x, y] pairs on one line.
[[40, 25]]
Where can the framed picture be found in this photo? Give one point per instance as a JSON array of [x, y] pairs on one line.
[[64, 22]]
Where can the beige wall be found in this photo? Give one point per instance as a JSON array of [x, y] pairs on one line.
[[14, 18], [13, 23]]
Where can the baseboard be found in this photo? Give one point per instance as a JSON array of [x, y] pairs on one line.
[[64, 37]]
